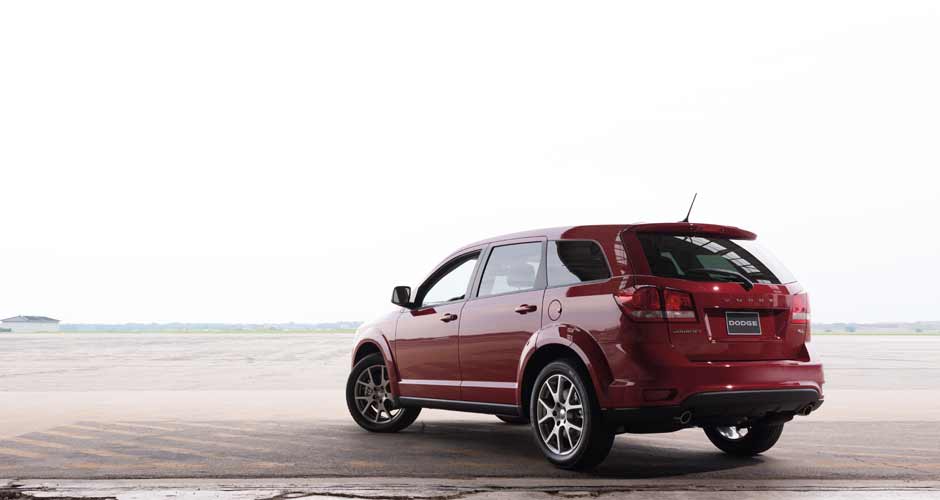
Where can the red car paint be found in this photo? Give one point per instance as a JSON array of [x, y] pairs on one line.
[[484, 356]]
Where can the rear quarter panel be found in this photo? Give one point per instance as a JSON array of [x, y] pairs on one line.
[[586, 319]]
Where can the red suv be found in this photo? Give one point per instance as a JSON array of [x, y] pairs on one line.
[[590, 331]]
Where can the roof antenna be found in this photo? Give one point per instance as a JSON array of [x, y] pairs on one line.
[[690, 208]]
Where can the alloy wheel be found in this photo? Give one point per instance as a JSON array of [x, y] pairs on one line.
[[732, 433], [560, 414], [373, 397]]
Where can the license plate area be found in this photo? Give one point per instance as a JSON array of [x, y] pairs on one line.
[[742, 323]]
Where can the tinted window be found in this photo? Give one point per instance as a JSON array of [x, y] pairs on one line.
[[675, 256], [453, 285], [511, 268], [575, 262]]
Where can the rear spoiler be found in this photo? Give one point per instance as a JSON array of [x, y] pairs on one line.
[[687, 228]]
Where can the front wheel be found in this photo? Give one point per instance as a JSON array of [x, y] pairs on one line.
[[370, 401], [744, 441], [566, 418]]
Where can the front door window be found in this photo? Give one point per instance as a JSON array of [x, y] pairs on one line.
[[453, 285]]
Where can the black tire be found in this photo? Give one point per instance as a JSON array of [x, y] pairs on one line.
[[513, 420], [759, 439], [373, 419], [596, 437]]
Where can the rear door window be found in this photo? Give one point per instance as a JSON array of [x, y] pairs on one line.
[[571, 262], [511, 268], [690, 257]]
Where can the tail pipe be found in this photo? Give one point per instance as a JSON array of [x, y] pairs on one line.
[[685, 417]]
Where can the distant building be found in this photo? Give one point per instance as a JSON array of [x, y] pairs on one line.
[[29, 324]]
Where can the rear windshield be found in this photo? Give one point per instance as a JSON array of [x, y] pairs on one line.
[[690, 257]]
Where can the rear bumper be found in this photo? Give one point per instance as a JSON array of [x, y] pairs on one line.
[[658, 376], [716, 408]]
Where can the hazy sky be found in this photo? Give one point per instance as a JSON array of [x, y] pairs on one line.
[[292, 161]]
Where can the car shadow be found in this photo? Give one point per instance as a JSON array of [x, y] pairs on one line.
[[496, 449]]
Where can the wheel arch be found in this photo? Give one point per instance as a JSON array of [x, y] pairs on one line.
[[366, 348], [375, 342], [560, 341]]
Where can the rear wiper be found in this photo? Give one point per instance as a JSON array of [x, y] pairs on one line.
[[745, 282]]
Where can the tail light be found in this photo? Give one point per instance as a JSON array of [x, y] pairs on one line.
[[648, 304], [679, 305], [641, 304], [800, 308]]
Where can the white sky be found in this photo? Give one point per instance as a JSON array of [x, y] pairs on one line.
[[292, 161]]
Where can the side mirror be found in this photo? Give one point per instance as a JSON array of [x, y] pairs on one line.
[[401, 296]]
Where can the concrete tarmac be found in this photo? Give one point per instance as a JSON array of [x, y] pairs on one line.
[[266, 411]]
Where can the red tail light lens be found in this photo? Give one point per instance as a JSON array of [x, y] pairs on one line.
[[679, 306], [800, 308], [641, 304]]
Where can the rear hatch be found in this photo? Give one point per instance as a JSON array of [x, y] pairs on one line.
[[724, 297]]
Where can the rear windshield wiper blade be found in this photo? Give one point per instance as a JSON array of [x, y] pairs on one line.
[[745, 282]]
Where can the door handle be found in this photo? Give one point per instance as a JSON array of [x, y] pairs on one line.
[[447, 318], [525, 308]]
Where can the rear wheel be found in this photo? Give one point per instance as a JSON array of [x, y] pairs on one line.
[[566, 418], [370, 401], [744, 441], [513, 420]]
